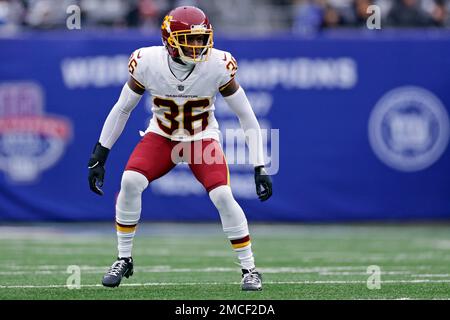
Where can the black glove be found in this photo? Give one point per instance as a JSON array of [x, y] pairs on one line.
[[263, 181], [97, 169]]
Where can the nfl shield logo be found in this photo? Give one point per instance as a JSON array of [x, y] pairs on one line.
[[180, 87]]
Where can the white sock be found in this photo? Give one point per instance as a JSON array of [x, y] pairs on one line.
[[125, 243], [234, 224], [128, 210]]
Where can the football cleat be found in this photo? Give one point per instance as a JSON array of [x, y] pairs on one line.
[[251, 280], [123, 267]]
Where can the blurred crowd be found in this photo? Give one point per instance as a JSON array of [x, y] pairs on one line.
[[313, 15], [243, 16]]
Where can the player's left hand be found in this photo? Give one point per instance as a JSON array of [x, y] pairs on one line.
[[263, 183], [96, 176], [96, 168]]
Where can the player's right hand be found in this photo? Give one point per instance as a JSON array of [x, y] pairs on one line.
[[96, 168]]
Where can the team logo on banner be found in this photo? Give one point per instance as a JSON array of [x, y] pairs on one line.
[[409, 128], [30, 140]]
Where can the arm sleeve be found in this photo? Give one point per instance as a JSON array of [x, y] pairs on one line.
[[240, 105], [118, 116]]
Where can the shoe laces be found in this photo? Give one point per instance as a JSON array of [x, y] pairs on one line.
[[251, 277], [117, 267]]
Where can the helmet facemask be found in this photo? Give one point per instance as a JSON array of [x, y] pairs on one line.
[[193, 45]]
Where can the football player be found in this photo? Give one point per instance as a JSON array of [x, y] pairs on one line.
[[183, 78]]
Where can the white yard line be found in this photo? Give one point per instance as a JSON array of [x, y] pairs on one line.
[[345, 273], [337, 271], [431, 275], [53, 269], [267, 269], [323, 271], [225, 283]]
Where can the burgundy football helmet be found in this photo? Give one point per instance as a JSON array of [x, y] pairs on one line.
[[187, 34]]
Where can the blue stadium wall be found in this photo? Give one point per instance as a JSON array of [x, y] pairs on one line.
[[362, 123]]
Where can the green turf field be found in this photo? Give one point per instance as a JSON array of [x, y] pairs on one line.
[[195, 261]]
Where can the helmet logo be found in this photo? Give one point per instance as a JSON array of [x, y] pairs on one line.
[[166, 23]]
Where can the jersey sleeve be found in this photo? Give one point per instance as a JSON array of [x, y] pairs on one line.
[[137, 66], [229, 67]]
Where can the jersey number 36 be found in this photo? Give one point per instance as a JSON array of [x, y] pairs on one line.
[[187, 119]]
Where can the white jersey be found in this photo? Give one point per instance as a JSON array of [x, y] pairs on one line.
[[182, 110]]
